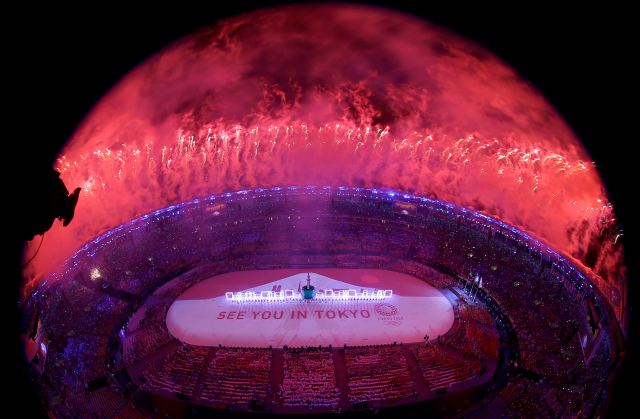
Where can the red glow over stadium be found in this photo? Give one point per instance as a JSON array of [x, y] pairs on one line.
[[362, 96]]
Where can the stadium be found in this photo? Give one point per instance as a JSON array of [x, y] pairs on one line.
[[363, 215], [492, 321]]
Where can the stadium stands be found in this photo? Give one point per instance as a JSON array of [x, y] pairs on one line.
[[534, 308], [378, 373], [309, 378], [235, 377]]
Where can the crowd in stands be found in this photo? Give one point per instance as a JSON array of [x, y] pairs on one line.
[[378, 373], [131, 412], [548, 338], [543, 299], [426, 273], [525, 398], [476, 313], [177, 373], [441, 369], [309, 378], [236, 377], [107, 399], [474, 333], [144, 342]]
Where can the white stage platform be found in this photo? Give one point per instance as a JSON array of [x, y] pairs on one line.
[[202, 315]]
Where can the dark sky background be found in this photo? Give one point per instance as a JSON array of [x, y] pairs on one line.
[[61, 60]]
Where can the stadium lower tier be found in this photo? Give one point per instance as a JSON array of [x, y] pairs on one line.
[[481, 319], [308, 356]]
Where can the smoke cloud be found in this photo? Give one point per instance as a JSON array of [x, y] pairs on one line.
[[333, 95]]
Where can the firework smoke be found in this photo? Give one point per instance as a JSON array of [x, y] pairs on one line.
[[334, 95]]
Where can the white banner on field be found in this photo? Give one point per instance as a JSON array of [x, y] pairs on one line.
[[399, 318]]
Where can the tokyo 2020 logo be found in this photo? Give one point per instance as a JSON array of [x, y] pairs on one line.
[[385, 309]]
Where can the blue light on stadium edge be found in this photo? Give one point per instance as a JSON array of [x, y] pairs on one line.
[[558, 261]]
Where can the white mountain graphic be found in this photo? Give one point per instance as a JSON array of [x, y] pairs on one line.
[[214, 321]]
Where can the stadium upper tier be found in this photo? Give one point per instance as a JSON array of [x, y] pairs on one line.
[[561, 332]]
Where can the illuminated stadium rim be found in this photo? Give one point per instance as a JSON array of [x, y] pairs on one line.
[[105, 239]]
